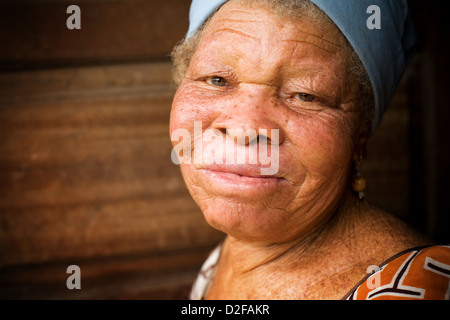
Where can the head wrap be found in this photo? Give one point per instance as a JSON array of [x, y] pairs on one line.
[[384, 46]]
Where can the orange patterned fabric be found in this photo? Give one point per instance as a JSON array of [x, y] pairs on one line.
[[418, 273], [421, 273]]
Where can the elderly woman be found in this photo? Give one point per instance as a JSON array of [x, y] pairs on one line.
[[312, 79]]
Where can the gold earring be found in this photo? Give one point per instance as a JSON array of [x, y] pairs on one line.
[[359, 182]]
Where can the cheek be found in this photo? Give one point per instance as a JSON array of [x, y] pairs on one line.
[[187, 110], [189, 104], [184, 111], [322, 143]]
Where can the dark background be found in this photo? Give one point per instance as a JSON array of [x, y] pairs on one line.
[[85, 170]]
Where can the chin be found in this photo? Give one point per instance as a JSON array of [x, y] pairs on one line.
[[250, 220]]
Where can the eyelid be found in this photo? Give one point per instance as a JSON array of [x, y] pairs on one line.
[[223, 72], [318, 99], [307, 86], [210, 78], [308, 97], [293, 91]]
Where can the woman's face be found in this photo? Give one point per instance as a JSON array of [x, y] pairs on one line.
[[255, 70]]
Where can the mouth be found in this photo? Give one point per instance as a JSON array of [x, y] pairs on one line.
[[244, 171], [241, 178]]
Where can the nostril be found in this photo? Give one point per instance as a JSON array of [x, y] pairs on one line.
[[250, 136], [241, 136], [262, 139], [271, 136]]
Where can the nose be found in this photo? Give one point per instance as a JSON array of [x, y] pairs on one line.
[[253, 135], [251, 116]]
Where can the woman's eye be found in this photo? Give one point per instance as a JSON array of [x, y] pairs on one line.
[[305, 97], [217, 81]]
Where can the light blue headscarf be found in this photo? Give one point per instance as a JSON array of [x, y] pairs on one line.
[[384, 46]]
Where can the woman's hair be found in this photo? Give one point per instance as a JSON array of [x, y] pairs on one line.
[[296, 9]]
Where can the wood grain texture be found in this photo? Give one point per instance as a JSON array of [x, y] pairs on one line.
[[387, 166], [114, 30], [86, 178], [85, 170]]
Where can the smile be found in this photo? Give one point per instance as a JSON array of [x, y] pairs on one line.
[[240, 179]]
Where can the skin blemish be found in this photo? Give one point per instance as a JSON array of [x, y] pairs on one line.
[[265, 77]]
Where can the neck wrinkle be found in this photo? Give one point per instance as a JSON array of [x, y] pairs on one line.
[[245, 257]]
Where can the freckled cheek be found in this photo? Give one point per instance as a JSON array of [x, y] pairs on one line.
[[188, 108], [320, 147]]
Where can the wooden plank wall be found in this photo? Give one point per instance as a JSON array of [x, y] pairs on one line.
[[85, 170], [35, 31], [86, 176]]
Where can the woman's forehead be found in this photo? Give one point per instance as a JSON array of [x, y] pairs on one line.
[[256, 36], [249, 20]]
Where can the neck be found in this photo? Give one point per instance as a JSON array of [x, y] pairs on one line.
[[323, 264], [244, 257]]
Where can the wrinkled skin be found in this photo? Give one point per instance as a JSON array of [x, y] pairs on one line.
[[265, 63], [252, 70]]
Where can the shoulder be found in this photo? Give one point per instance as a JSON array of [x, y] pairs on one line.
[[385, 233], [418, 273]]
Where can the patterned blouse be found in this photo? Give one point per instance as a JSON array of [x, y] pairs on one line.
[[417, 273]]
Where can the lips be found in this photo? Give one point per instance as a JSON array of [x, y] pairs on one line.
[[245, 170], [239, 181], [247, 180]]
